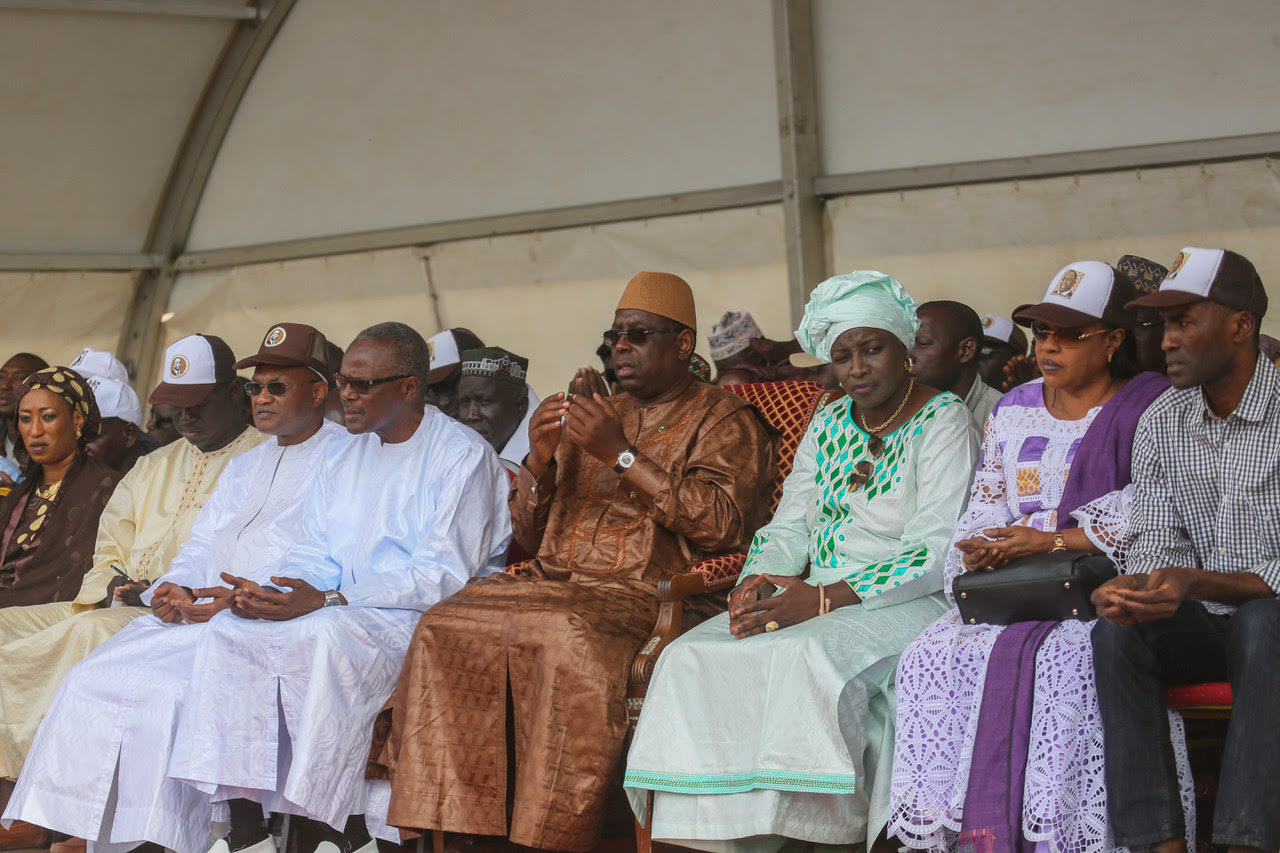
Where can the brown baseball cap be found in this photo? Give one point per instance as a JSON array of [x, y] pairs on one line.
[[1082, 293], [193, 367], [1218, 275], [292, 345]]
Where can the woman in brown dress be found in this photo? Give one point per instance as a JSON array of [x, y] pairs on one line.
[[50, 519]]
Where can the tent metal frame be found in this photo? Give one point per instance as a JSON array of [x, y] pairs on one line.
[[801, 191]]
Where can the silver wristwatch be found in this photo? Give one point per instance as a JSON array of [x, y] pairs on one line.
[[331, 598], [626, 459]]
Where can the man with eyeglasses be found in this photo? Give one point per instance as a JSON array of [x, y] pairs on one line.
[[150, 514], [285, 687], [131, 686], [615, 494]]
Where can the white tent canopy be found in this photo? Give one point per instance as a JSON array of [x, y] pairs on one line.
[[505, 165]]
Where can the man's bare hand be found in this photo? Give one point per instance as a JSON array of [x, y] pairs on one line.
[[546, 426], [588, 381], [1108, 601], [1163, 594], [167, 601], [199, 610], [265, 603], [593, 424], [129, 594]]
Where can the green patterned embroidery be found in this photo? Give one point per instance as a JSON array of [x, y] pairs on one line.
[[737, 783], [878, 577], [758, 543], [840, 446]]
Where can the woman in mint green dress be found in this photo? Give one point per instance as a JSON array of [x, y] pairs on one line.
[[775, 720]]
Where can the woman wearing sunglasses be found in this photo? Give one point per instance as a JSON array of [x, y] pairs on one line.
[[1053, 475], [773, 717]]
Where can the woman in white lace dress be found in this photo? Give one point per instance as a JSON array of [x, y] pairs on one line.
[[1053, 473]]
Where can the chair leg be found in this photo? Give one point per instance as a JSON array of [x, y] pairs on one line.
[[644, 833], [437, 841]]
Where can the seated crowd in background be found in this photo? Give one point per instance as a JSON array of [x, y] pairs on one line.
[[242, 608]]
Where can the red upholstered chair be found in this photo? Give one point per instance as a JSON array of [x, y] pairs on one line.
[[1201, 700], [1206, 709]]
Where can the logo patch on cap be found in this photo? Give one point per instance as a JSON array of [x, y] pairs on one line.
[[1178, 263], [275, 337], [179, 366], [1066, 286]]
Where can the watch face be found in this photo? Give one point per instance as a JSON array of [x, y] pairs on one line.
[[626, 458]]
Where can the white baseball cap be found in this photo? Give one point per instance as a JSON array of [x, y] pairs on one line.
[[997, 328], [193, 367], [1218, 275], [115, 399], [95, 362], [446, 349], [1082, 293]]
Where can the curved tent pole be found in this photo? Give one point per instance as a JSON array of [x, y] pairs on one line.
[[140, 338]]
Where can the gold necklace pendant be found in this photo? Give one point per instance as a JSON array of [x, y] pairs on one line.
[[911, 385]]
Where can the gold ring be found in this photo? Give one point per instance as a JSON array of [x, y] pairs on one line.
[[771, 625]]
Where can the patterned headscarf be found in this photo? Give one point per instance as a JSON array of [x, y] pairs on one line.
[[863, 298], [699, 368], [72, 388]]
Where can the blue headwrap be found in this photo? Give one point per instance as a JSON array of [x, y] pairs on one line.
[[863, 298]]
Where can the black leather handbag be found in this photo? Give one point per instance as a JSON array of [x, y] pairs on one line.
[[1045, 588]]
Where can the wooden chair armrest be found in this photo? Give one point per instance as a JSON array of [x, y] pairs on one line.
[[712, 575]]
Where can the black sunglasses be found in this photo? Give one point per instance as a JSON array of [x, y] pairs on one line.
[[1065, 337], [364, 386], [275, 389], [633, 336]]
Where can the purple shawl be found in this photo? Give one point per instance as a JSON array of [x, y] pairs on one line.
[[1103, 462], [992, 821]]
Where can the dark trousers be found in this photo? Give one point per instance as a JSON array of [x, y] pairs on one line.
[[1134, 664]]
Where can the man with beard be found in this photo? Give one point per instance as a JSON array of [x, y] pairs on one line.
[[1198, 601], [614, 495]]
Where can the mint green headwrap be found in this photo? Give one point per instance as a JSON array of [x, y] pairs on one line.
[[862, 298]]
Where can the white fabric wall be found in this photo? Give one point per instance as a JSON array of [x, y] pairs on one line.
[[386, 113], [93, 108], [546, 296], [339, 295], [916, 82], [55, 315], [996, 246]]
